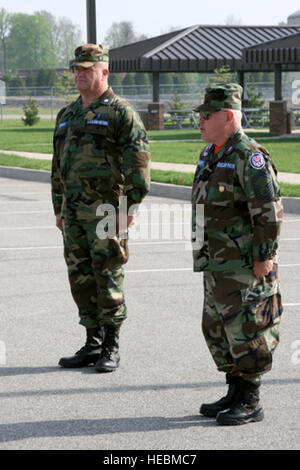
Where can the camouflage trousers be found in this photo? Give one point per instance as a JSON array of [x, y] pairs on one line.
[[95, 273], [240, 323]]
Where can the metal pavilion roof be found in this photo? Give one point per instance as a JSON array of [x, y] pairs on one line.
[[199, 48], [279, 51]]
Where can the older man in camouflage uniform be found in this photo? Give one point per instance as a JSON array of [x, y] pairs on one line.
[[101, 153], [236, 197]]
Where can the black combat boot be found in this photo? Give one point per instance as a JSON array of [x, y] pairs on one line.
[[89, 353], [246, 407], [109, 358], [212, 409]]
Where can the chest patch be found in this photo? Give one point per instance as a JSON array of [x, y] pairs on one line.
[[228, 165], [97, 122]]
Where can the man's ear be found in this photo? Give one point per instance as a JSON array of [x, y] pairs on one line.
[[230, 115]]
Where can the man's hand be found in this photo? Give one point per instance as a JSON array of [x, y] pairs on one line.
[[123, 222], [262, 268], [59, 221]]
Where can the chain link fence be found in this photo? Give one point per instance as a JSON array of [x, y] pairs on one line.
[[50, 100]]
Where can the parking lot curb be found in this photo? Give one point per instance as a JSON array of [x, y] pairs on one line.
[[172, 191]]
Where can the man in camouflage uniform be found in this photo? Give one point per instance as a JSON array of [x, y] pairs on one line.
[[101, 155], [236, 218]]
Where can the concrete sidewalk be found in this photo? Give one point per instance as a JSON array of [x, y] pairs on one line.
[[292, 178]]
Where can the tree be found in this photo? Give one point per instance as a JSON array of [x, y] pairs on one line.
[[233, 20], [177, 109], [31, 111], [17, 85], [255, 97], [143, 82], [115, 80], [29, 44], [176, 106], [129, 84], [181, 80], [41, 77], [47, 78], [221, 75], [120, 34], [30, 79], [166, 82], [66, 87], [5, 24], [68, 37], [36, 41]]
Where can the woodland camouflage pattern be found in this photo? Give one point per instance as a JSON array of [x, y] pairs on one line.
[[100, 154], [242, 217], [88, 54], [220, 96]]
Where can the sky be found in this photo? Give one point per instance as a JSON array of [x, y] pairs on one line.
[[156, 17]]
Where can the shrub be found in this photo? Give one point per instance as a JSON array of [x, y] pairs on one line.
[[31, 111]]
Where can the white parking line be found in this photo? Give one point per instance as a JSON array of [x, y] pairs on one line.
[[159, 270], [24, 248], [30, 228], [23, 193], [25, 212], [19, 201]]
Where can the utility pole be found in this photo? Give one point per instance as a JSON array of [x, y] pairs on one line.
[[91, 21]]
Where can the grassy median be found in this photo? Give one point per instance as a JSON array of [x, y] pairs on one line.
[[15, 136], [170, 177]]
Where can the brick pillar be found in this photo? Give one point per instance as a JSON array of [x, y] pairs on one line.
[[278, 117], [155, 119]]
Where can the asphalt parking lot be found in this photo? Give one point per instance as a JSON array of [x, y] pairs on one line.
[[151, 402]]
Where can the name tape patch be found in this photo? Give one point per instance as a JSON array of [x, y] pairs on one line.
[[230, 166], [62, 124], [98, 122]]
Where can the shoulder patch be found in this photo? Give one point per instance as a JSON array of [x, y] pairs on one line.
[[257, 161], [206, 150], [62, 124], [229, 150]]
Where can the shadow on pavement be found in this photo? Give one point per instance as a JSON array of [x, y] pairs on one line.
[[93, 427]]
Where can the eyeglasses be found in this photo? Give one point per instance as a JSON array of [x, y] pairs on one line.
[[79, 69], [206, 116]]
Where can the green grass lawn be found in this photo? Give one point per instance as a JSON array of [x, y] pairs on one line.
[[19, 111], [285, 153], [170, 177], [15, 136], [186, 179]]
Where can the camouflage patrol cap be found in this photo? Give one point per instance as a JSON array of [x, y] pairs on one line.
[[89, 54], [220, 96]]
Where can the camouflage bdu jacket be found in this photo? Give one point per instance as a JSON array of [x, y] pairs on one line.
[[238, 190], [100, 153]]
